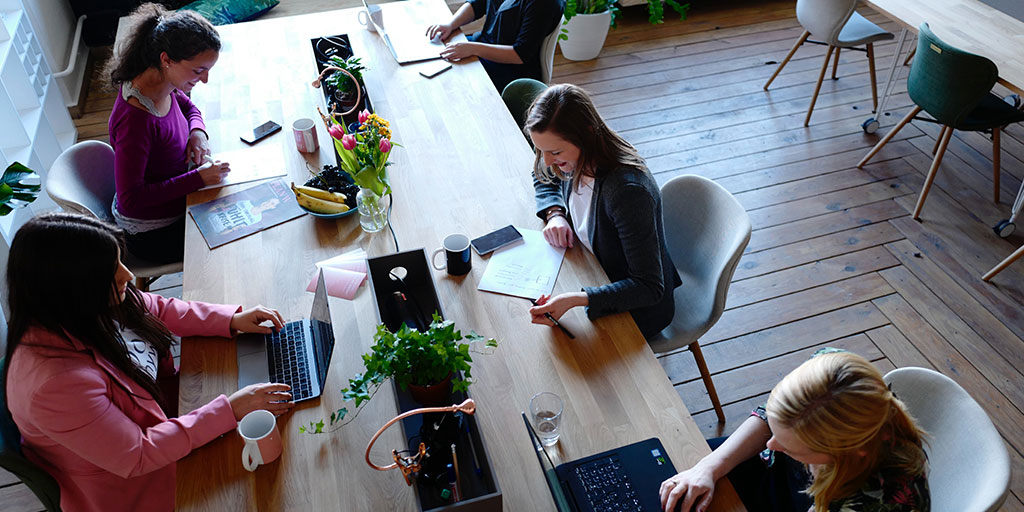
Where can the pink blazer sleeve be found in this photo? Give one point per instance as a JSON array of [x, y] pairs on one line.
[[191, 318], [75, 410]]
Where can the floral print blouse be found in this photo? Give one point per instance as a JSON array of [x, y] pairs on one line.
[[885, 491]]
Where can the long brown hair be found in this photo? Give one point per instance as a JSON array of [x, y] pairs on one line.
[[837, 404], [154, 30], [568, 112], [60, 277]]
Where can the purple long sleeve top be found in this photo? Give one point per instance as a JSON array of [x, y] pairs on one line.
[[151, 175]]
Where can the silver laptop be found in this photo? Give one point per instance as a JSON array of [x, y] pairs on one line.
[[406, 38], [298, 355]]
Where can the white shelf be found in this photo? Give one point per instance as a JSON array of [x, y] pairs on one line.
[[36, 124]]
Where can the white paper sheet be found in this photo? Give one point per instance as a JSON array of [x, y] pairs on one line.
[[251, 164], [524, 270]]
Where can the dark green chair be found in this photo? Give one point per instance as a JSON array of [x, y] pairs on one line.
[[11, 459], [955, 88], [519, 95]]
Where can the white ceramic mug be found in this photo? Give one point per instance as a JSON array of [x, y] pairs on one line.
[[305, 135], [262, 439], [364, 20]]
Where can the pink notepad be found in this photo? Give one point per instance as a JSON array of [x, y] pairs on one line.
[[340, 283]]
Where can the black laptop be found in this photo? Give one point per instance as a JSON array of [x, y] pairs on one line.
[[623, 479], [297, 355]]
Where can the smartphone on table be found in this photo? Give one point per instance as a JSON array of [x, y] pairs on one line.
[[496, 240], [260, 132]]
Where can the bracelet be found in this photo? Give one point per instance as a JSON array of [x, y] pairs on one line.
[[557, 212]]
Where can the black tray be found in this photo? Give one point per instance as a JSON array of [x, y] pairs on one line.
[[480, 491], [326, 47], [416, 285]]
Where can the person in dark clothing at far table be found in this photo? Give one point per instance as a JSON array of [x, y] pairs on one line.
[[510, 42]]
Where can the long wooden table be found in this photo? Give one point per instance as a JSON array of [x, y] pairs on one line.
[[463, 167]]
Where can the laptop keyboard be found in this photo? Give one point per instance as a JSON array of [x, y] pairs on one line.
[[608, 488], [288, 360]]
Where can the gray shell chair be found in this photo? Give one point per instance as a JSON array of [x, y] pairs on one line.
[[968, 465], [953, 87], [81, 180], [547, 54], [11, 459], [706, 231], [518, 95], [838, 26]]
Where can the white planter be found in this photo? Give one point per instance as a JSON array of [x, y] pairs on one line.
[[586, 33]]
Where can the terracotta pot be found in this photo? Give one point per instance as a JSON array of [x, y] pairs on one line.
[[433, 395]]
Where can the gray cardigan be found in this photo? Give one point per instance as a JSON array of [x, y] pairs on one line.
[[628, 237]]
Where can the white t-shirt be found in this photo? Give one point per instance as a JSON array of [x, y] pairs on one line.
[[579, 205], [140, 351]]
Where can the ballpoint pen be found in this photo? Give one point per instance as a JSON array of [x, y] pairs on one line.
[[560, 326]]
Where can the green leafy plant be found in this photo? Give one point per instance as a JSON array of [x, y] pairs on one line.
[[409, 357], [19, 186], [655, 11], [340, 81]]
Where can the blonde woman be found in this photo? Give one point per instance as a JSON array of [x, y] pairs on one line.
[[834, 438]]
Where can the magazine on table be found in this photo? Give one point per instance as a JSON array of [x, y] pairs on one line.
[[243, 213]]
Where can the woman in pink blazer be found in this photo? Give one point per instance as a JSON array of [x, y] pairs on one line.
[[88, 358]]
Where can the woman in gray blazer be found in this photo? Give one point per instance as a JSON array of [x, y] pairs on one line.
[[591, 186]]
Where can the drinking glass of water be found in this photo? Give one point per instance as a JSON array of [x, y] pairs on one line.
[[546, 414]]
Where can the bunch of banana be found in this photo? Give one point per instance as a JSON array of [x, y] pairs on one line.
[[320, 201]]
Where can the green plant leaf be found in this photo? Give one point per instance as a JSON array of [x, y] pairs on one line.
[[19, 186]]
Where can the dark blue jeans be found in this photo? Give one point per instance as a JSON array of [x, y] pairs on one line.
[[769, 489]]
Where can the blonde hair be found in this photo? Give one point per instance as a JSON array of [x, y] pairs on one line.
[[837, 404]]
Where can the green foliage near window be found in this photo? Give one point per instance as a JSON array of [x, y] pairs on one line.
[[340, 81], [19, 186], [655, 11], [409, 357]]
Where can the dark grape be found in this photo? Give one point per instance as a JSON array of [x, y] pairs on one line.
[[335, 180]]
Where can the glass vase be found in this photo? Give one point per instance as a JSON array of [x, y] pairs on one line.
[[373, 215]]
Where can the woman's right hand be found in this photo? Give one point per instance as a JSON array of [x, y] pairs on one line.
[[558, 232], [272, 397], [443, 30], [692, 489], [213, 173]]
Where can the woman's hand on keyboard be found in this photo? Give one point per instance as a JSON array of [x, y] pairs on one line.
[[272, 397], [691, 490], [251, 320]]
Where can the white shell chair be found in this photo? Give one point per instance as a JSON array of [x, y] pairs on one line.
[[706, 231], [839, 26], [81, 180], [968, 465], [547, 54]]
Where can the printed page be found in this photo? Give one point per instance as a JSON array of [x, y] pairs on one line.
[[524, 270]]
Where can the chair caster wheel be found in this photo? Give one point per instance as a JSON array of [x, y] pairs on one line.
[[1004, 228], [869, 126]]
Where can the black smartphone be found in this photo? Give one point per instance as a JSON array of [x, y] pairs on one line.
[[496, 240], [264, 130]]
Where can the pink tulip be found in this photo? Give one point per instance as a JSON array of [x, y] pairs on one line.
[[336, 131], [385, 145], [363, 116], [348, 142]]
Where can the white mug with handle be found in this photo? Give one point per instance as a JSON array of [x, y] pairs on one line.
[[364, 20], [262, 439]]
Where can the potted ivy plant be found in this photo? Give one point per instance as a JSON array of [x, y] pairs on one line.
[[585, 24], [426, 363]]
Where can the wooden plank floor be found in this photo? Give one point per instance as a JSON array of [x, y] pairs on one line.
[[835, 259]]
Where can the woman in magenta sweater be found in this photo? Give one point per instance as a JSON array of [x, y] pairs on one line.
[[161, 150], [89, 378]]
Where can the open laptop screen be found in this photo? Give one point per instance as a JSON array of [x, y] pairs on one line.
[[557, 491], [320, 322]]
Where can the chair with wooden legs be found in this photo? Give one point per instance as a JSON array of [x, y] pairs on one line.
[[1003, 264], [706, 230], [955, 88], [839, 26]]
